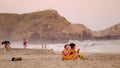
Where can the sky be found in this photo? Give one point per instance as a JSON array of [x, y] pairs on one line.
[[94, 14]]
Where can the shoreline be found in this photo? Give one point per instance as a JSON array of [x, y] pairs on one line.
[[58, 52]]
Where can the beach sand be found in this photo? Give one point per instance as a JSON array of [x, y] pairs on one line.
[[38, 58]]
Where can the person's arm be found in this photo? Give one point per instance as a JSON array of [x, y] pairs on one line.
[[78, 50], [75, 56], [63, 55], [0, 44], [67, 52]]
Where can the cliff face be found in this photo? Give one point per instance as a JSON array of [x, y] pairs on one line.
[[77, 32], [8, 23], [45, 25], [112, 32]]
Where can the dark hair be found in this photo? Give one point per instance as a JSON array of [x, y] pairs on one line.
[[65, 45], [5, 43], [72, 45]]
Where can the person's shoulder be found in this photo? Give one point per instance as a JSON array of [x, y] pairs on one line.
[[63, 50]]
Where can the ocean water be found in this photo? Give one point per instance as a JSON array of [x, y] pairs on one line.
[[112, 46]]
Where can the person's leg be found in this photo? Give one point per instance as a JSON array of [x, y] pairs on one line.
[[9, 48], [5, 49], [76, 57], [25, 46]]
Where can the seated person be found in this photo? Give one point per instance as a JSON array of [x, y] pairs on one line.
[[76, 54], [6, 45], [66, 51]]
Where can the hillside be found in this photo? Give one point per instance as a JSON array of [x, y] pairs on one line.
[[112, 32], [44, 26]]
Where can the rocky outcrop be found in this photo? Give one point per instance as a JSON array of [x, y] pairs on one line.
[[109, 33], [77, 32], [8, 23], [41, 26], [49, 26]]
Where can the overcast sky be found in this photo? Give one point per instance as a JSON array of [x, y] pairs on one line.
[[95, 14]]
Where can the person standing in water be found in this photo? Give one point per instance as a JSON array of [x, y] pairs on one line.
[[25, 43]]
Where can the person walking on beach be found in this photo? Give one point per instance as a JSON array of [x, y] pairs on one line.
[[6, 45], [25, 43]]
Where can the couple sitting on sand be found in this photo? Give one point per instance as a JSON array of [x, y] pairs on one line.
[[70, 53]]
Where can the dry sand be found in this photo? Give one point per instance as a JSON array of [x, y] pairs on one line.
[[38, 58]]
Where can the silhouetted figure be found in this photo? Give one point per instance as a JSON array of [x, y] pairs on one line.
[[25, 43]]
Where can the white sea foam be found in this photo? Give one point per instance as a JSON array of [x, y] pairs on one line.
[[85, 46]]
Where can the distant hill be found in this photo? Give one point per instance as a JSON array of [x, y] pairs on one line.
[[49, 26], [44, 26], [112, 32]]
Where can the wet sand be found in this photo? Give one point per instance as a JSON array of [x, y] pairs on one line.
[[38, 58]]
